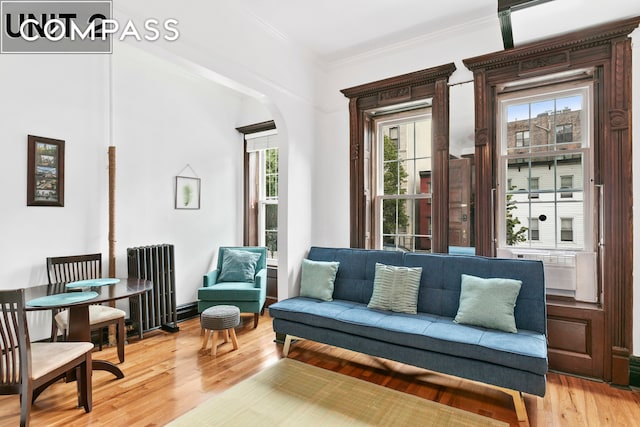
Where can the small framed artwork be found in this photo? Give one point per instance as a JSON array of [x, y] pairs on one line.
[[187, 192], [45, 171]]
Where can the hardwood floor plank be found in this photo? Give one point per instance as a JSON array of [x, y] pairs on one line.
[[167, 374]]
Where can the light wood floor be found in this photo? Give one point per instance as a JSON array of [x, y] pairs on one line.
[[166, 375]]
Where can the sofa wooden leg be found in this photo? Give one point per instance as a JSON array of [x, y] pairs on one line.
[[518, 403], [256, 317], [287, 345]]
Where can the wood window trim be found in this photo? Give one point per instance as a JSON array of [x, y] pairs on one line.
[[420, 85], [250, 227], [606, 49]]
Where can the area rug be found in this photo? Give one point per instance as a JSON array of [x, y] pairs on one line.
[[292, 393]]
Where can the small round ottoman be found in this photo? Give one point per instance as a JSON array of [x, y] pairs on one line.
[[220, 318]]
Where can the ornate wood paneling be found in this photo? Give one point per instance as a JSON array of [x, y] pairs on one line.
[[419, 85], [575, 331]]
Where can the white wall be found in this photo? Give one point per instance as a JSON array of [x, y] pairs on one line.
[[61, 97], [163, 119], [169, 122], [226, 44]]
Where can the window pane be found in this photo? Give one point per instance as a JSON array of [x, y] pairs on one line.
[[271, 173], [539, 190], [554, 123], [406, 224], [405, 143], [271, 229]]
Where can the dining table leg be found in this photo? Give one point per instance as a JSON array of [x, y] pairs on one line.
[[80, 330]]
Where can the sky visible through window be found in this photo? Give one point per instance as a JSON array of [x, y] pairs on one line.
[[533, 109]]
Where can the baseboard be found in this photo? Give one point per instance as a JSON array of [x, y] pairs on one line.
[[634, 371], [187, 311]]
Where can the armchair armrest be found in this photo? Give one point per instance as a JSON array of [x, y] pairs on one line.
[[261, 279], [210, 278]]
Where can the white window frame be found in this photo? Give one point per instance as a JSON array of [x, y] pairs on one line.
[[260, 142], [576, 265], [378, 174]]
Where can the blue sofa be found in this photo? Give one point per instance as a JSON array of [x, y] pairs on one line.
[[512, 362]]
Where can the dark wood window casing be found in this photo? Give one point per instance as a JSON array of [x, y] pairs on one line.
[[250, 214], [593, 340], [426, 84]]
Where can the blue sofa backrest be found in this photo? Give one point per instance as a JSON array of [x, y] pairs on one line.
[[441, 276], [354, 281], [440, 282]]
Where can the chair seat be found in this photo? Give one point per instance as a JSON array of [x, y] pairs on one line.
[[230, 291], [97, 314], [46, 357]]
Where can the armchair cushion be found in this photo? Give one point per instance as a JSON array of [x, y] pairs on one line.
[[238, 266], [229, 292]]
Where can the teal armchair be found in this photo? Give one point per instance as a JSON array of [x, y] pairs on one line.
[[240, 279]]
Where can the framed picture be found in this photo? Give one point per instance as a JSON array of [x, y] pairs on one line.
[[45, 171], [187, 192]]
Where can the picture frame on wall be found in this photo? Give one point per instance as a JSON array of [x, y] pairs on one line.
[[45, 171], [187, 193]]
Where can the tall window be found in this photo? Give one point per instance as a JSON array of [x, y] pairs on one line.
[[262, 191], [403, 191], [540, 174]]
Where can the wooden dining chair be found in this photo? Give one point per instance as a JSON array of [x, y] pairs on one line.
[[26, 366], [65, 269]]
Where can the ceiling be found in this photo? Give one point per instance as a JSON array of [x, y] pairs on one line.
[[336, 29]]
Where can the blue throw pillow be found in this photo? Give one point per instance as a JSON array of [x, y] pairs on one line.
[[396, 288], [318, 278], [488, 302], [238, 266]]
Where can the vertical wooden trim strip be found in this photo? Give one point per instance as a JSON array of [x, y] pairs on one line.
[[619, 215], [440, 180], [484, 165]]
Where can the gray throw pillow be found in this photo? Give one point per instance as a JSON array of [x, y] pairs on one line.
[[488, 302], [238, 266], [396, 288], [318, 278]]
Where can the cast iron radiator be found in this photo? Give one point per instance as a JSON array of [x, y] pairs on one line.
[[157, 308]]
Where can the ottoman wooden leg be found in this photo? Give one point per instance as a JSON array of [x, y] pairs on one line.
[[214, 345], [234, 339], [226, 335], [206, 333]]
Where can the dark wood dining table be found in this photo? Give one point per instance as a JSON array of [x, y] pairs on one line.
[[77, 300]]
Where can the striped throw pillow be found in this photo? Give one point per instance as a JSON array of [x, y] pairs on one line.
[[396, 288]]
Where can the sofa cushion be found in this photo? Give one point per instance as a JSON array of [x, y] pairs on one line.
[[238, 266], [395, 288], [318, 278], [524, 350], [488, 302]]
